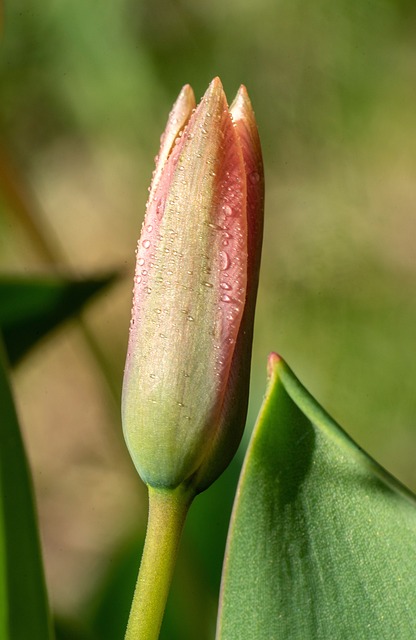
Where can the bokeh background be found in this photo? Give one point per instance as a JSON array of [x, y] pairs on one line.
[[85, 92]]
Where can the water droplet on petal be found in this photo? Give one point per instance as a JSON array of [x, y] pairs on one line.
[[208, 284], [225, 260], [254, 177], [149, 228], [146, 244], [225, 286], [227, 210], [226, 298], [140, 261]]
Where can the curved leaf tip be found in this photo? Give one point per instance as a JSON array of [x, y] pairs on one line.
[[322, 541]]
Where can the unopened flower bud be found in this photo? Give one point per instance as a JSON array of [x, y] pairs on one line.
[[186, 379]]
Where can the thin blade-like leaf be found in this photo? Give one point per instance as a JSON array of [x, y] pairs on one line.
[[23, 601], [322, 543], [32, 306]]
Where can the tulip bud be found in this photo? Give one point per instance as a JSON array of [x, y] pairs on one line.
[[187, 371]]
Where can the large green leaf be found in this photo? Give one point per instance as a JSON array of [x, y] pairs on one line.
[[32, 306], [23, 601], [322, 542]]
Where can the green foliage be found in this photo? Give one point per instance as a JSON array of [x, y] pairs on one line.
[[322, 541], [23, 600], [32, 306]]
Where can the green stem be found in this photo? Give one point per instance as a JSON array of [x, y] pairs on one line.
[[167, 514]]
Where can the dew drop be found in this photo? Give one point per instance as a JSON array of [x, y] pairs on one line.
[[227, 210], [144, 272], [140, 262], [209, 285], [226, 298], [225, 286], [254, 177], [190, 318], [158, 311], [138, 279], [225, 260], [146, 244], [180, 404], [149, 228], [153, 376]]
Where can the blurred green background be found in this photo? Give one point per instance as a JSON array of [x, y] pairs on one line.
[[85, 92]]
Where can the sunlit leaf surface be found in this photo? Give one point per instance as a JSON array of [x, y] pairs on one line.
[[322, 543]]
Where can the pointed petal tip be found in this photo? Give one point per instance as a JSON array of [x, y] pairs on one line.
[[215, 88], [178, 118], [241, 106], [184, 103], [186, 94], [242, 91], [273, 362], [214, 99], [216, 82]]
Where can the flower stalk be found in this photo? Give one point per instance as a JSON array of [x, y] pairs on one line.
[[167, 513]]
